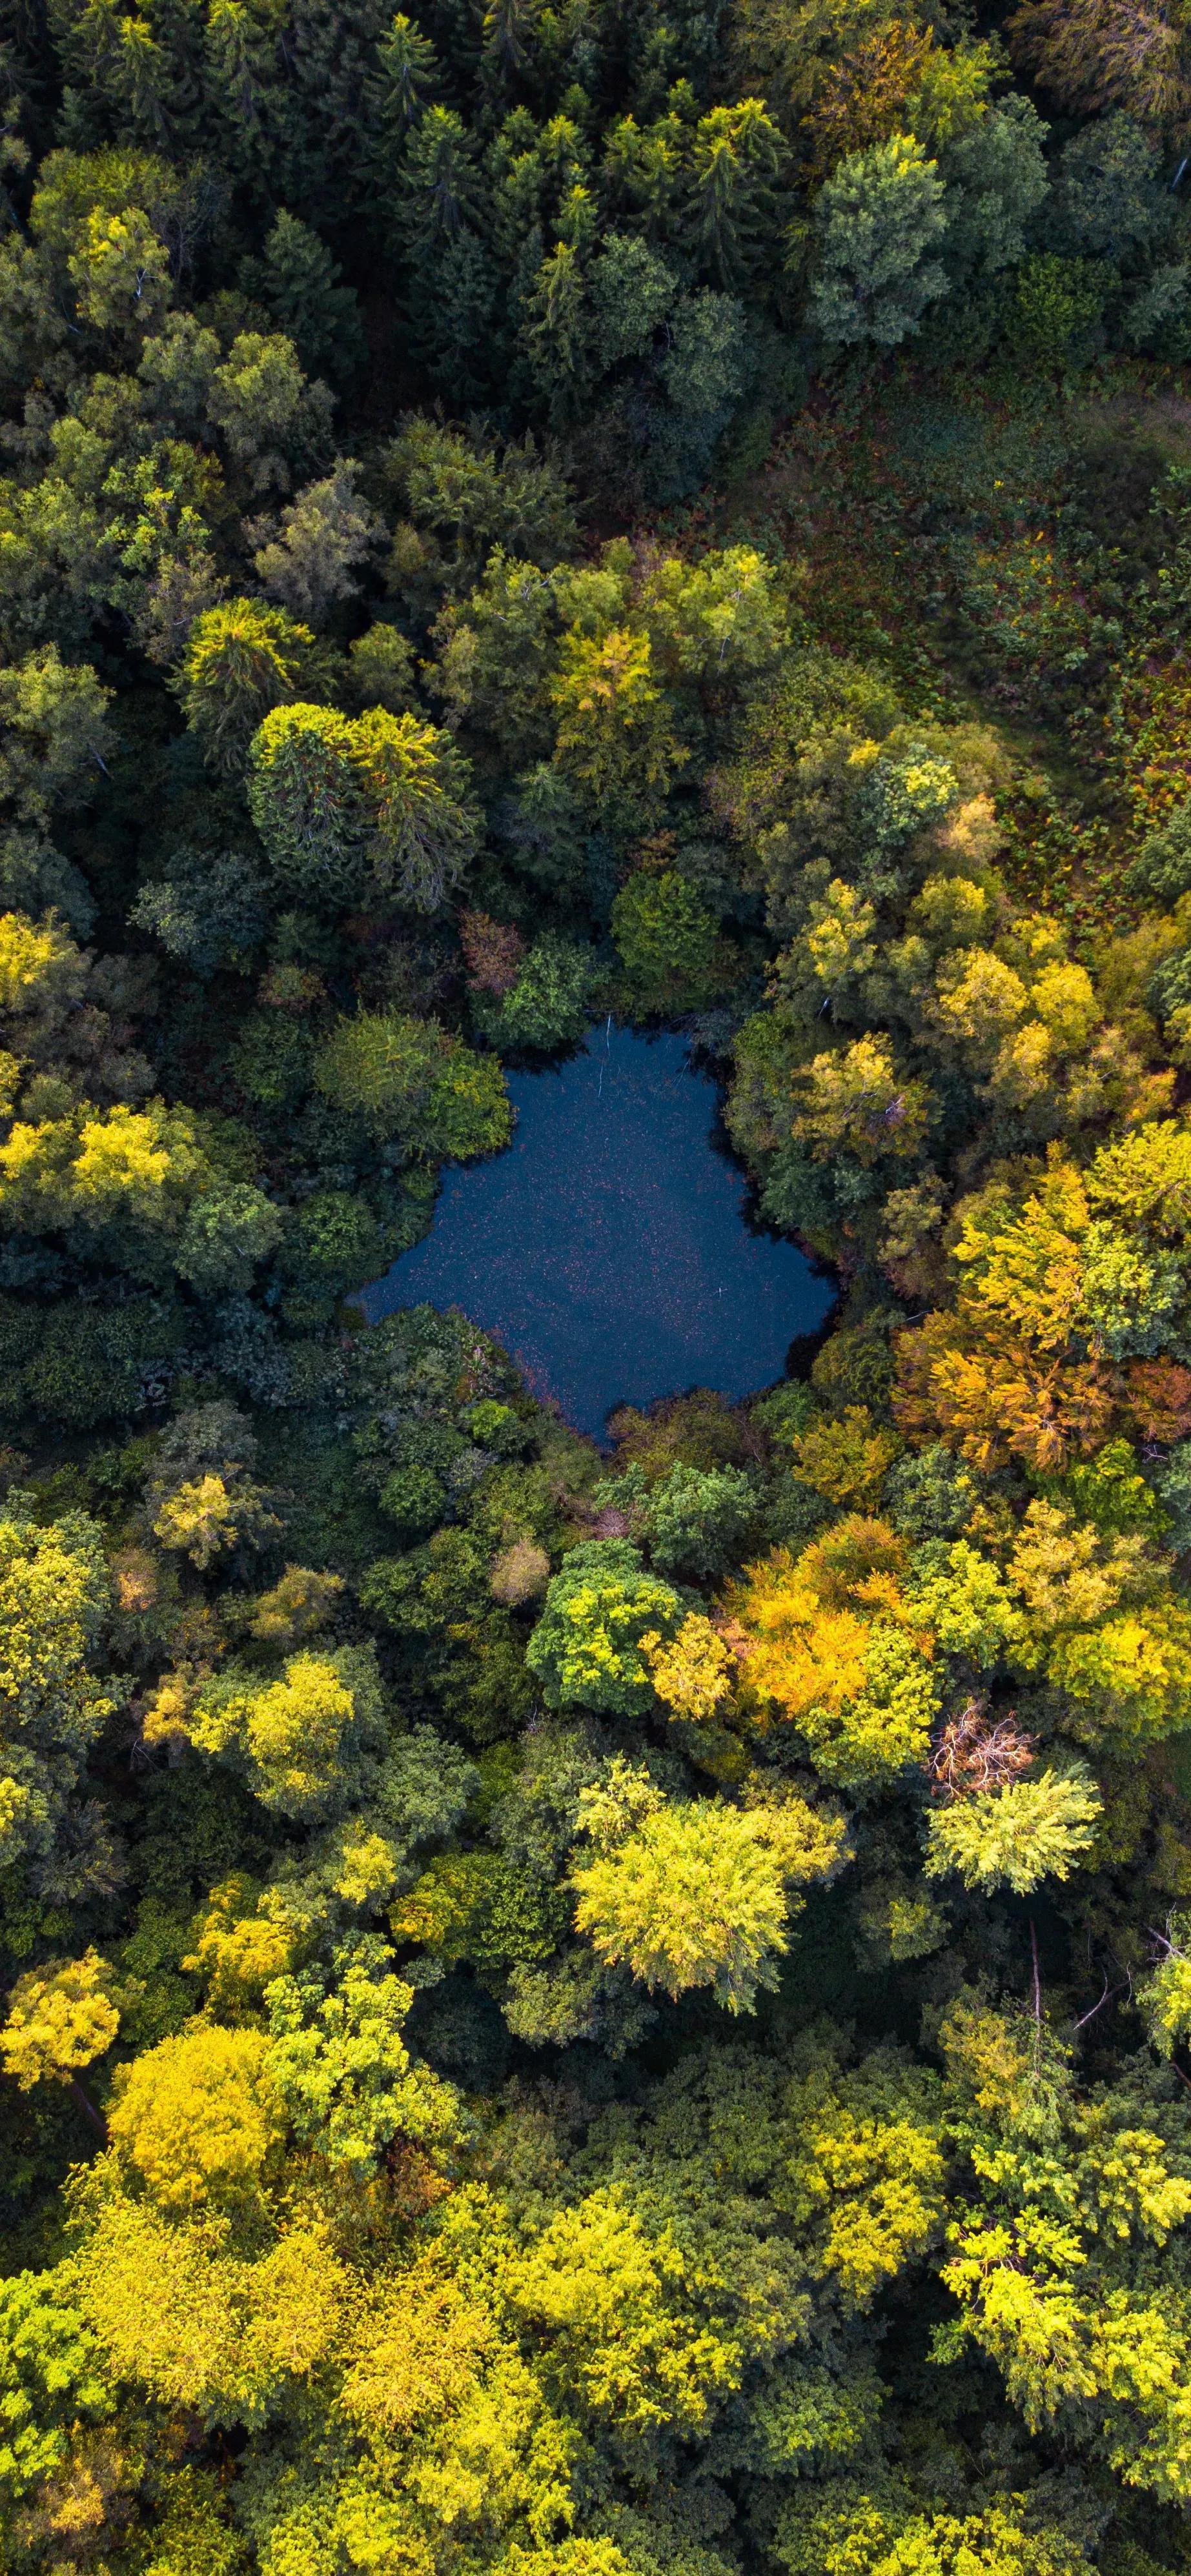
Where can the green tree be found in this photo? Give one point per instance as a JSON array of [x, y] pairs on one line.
[[300, 283], [228, 1232], [878, 220], [273, 423], [1016, 1836], [407, 1080], [698, 1520], [1059, 304], [737, 158], [323, 537], [241, 661], [698, 1895], [586, 1647], [557, 332], [307, 800], [406, 81], [665, 936], [425, 829], [497, 651], [547, 1004], [211, 909]]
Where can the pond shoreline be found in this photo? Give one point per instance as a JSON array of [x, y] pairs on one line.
[[614, 1245]]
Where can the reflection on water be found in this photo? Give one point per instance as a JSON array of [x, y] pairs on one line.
[[607, 1248]]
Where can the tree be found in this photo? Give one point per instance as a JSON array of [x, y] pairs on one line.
[[737, 156], [667, 939], [425, 829], [406, 80], [307, 800], [1162, 868], [174, 2316], [453, 278], [631, 292], [878, 219], [830, 1645], [211, 910], [546, 1005], [1098, 55], [273, 423], [42, 975], [557, 332], [997, 181], [1059, 303], [1165, 1996], [54, 1592], [301, 1737], [845, 1458], [299, 281], [1064, 2305], [855, 1099], [55, 737], [441, 193], [719, 621], [120, 274], [1017, 1835], [586, 1647], [241, 660], [200, 1492], [466, 499], [239, 1946], [228, 1232], [52, 2378], [615, 2303], [697, 1521], [59, 2018], [692, 1673], [310, 566], [341, 2067], [197, 2117], [696, 1895], [860, 2535], [406, 1079], [497, 650], [380, 670], [615, 735]]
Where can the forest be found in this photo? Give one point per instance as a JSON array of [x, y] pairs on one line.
[[575, 2010]]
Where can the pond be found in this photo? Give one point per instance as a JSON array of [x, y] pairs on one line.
[[609, 1248]]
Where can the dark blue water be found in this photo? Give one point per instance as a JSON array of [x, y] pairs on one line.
[[608, 1248]]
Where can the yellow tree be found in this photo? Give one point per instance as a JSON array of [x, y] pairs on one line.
[[59, 2019]]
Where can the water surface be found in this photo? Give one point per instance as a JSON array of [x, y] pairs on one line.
[[608, 1247]]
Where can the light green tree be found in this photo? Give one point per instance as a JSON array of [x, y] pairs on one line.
[[697, 1895], [878, 220], [1018, 1835], [586, 1647], [339, 2063]]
